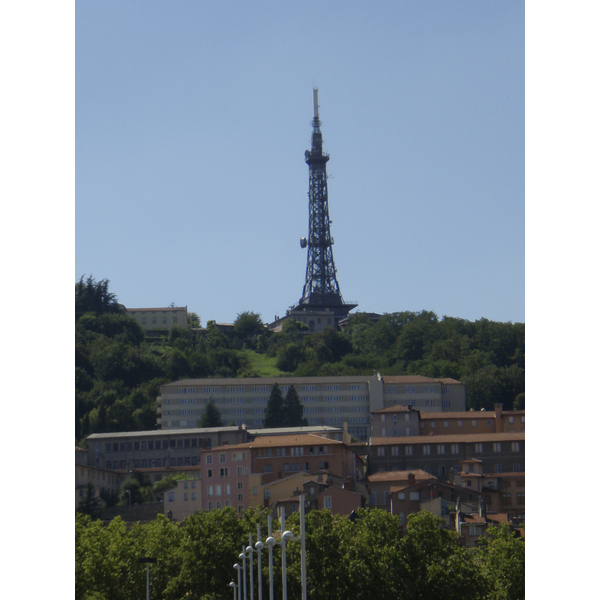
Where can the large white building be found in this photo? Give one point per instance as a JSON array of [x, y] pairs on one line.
[[326, 400]]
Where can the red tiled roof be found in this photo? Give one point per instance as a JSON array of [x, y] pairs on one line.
[[447, 439], [305, 439], [419, 475]]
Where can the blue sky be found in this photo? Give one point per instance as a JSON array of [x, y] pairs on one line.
[[192, 119]]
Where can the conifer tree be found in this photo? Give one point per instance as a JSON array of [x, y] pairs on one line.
[[293, 409], [274, 414], [211, 417]]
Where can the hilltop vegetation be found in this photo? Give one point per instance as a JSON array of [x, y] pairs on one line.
[[118, 371]]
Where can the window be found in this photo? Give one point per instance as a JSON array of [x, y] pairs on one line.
[[380, 451], [401, 496], [441, 449], [227, 489], [414, 496], [515, 447], [498, 468], [218, 490], [521, 498], [209, 472], [224, 472], [327, 502], [240, 497], [185, 496], [475, 530], [211, 490], [222, 457], [455, 448], [497, 446], [474, 423], [401, 515], [408, 450], [511, 419], [426, 450], [432, 424], [171, 497], [267, 494], [460, 424], [479, 448], [209, 459]]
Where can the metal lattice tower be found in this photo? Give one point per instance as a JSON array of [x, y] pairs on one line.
[[321, 288]]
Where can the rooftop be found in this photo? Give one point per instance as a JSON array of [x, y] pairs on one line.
[[447, 439]]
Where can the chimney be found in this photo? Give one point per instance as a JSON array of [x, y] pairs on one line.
[[498, 417], [482, 508], [411, 478]]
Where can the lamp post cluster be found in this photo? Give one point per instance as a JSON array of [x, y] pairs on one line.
[[240, 591]]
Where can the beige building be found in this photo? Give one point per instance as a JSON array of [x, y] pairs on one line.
[[184, 500], [101, 479], [330, 401], [159, 319]]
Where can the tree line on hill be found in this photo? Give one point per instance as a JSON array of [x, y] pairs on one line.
[[368, 558], [118, 371]]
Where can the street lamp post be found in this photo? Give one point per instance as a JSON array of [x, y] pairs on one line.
[[242, 557], [147, 561], [259, 546], [234, 587], [250, 552]]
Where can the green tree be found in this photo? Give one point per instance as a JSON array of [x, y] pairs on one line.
[[93, 296], [293, 409], [274, 413], [211, 417], [502, 556], [194, 320], [89, 504]]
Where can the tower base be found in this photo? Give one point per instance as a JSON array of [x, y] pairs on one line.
[[315, 317]]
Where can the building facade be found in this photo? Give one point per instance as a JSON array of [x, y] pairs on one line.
[[441, 455], [160, 449], [396, 420], [159, 319], [330, 401]]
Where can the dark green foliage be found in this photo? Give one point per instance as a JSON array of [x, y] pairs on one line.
[[274, 414], [93, 296], [293, 409], [89, 504], [364, 560], [211, 417]]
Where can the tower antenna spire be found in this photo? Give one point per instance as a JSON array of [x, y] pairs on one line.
[[321, 293]]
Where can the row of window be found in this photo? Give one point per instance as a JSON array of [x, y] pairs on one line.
[[146, 463], [164, 320], [157, 444], [454, 448], [292, 451]]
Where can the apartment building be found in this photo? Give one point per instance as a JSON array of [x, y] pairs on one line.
[[406, 500], [396, 420], [160, 449], [225, 477], [183, 500], [159, 319], [379, 485], [101, 479], [439, 455], [328, 401]]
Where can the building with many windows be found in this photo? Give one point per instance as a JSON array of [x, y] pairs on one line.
[[395, 421], [158, 450], [329, 401], [439, 455], [159, 319]]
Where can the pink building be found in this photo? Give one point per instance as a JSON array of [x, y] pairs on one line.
[[225, 478]]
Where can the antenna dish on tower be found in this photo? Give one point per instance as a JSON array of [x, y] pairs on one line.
[[316, 102]]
